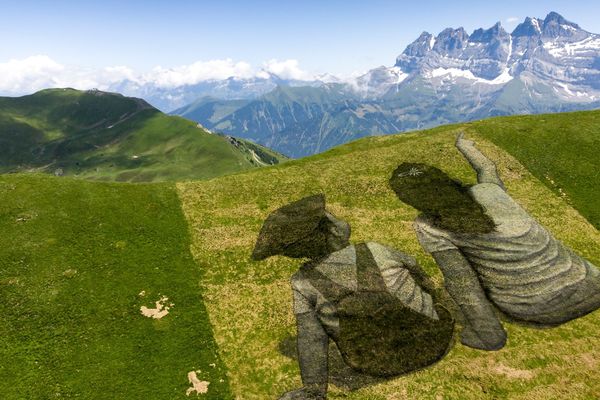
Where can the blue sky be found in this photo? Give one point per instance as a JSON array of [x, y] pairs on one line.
[[339, 37]]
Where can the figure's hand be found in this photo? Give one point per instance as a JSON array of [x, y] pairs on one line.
[[305, 393], [483, 339]]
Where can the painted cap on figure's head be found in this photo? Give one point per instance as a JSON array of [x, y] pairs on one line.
[[294, 230]]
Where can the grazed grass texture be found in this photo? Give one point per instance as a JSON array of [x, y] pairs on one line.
[[77, 261], [250, 303]]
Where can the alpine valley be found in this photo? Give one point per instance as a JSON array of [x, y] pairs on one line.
[[544, 65]]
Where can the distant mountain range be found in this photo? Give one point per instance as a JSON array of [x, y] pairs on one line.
[[544, 65], [107, 136], [233, 88]]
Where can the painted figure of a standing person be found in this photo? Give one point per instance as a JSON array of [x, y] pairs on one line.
[[375, 303], [492, 253]]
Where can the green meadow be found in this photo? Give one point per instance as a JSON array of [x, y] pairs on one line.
[[78, 260], [75, 256]]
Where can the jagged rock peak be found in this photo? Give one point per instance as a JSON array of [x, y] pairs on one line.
[[530, 27], [421, 46], [554, 17], [489, 53], [451, 39], [487, 35], [555, 26]]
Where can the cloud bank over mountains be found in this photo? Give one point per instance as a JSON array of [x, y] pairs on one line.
[[30, 74]]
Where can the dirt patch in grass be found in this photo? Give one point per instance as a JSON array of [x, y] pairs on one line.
[[160, 311], [69, 273], [512, 373], [198, 386]]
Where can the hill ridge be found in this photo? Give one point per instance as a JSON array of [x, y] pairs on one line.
[[108, 136]]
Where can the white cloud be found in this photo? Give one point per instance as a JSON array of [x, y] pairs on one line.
[[39, 72], [512, 20], [198, 72], [33, 73], [287, 69], [117, 73], [28, 74]]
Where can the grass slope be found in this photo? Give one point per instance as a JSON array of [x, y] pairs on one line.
[[250, 303], [74, 258], [561, 150], [107, 136]]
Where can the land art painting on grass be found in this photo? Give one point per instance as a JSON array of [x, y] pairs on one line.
[[380, 309], [255, 299]]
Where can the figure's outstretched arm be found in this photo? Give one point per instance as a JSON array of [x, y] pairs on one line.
[[482, 328], [485, 168]]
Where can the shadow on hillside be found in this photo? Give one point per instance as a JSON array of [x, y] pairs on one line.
[[340, 374]]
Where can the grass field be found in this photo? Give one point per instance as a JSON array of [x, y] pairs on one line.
[[75, 256], [564, 156]]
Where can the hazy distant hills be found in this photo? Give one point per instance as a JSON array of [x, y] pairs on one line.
[[296, 121], [107, 136], [233, 88], [544, 65]]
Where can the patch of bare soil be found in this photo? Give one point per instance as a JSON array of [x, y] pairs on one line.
[[160, 311], [198, 386], [512, 372]]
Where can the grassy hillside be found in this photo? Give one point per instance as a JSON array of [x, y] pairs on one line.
[[107, 136], [75, 257], [250, 303], [77, 262], [561, 150]]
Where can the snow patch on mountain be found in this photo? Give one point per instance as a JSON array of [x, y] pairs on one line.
[[587, 47], [378, 81], [501, 79]]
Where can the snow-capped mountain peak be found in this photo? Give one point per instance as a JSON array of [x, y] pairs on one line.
[[529, 27], [551, 52], [555, 26], [484, 53]]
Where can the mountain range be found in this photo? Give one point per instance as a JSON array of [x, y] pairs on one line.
[[232, 88], [544, 65]]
